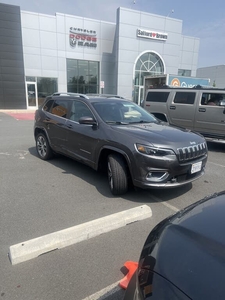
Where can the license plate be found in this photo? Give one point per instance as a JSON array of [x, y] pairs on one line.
[[196, 167]]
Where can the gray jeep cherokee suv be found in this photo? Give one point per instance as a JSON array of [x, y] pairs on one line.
[[122, 138]]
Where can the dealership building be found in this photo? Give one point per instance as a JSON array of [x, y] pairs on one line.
[[41, 54], [216, 75]]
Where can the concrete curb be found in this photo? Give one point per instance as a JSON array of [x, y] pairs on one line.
[[33, 248]]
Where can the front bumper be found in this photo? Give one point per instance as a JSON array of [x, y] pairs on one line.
[[170, 172]]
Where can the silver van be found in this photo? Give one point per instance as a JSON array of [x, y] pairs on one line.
[[199, 109]]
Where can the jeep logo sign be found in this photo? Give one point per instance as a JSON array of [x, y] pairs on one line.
[[149, 34]]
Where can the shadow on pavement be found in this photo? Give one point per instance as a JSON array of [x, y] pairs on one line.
[[100, 181]]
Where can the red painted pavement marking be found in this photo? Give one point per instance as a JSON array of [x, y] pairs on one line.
[[22, 116]]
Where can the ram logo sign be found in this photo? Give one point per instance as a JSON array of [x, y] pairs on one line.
[[83, 37]]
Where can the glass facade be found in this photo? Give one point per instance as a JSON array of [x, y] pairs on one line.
[[148, 63], [31, 78], [45, 87], [182, 72], [82, 76]]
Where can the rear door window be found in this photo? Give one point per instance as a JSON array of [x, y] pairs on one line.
[[60, 108], [157, 96], [184, 97]]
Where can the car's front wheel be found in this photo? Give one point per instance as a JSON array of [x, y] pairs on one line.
[[117, 174], [43, 148]]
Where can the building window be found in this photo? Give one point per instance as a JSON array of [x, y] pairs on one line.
[[82, 76], [149, 63], [45, 87], [182, 72], [31, 78]]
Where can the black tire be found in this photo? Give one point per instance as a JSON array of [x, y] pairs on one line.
[[117, 175], [43, 148]]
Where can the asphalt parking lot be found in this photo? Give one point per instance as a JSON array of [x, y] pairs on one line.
[[39, 198]]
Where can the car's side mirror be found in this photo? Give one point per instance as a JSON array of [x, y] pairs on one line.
[[222, 103], [87, 121]]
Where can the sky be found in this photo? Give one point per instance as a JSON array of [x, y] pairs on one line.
[[202, 19]]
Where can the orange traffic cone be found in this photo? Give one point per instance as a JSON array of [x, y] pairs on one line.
[[131, 266]]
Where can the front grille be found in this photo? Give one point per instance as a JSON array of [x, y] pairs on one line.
[[191, 152]]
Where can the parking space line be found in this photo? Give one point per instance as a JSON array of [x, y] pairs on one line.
[[218, 165], [165, 203], [106, 292], [33, 248]]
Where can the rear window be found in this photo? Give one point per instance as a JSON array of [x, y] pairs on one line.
[[157, 96], [184, 98]]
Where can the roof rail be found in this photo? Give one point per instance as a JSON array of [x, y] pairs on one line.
[[70, 94]]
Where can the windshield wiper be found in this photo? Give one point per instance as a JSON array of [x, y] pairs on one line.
[[142, 121], [117, 122]]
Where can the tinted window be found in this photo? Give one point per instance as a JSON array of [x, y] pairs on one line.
[[48, 105], [212, 98], [60, 108], [157, 96], [78, 110], [184, 97]]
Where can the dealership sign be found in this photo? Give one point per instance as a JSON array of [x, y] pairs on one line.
[[150, 34], [83, 37]]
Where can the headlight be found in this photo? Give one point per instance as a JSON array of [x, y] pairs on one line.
[[153, 151]]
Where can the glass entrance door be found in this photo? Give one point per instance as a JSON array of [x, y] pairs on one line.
[[31, 94], [141, 95]]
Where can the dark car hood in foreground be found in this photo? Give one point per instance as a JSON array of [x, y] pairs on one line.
[[189, 249], [160, 133]]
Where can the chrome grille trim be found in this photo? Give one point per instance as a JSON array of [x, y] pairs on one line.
[[191, 152]]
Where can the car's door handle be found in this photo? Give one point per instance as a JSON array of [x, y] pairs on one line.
[[173, 107], [69, 126], [202, 110]]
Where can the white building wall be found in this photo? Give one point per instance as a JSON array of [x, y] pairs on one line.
[[176, 52], [46, 46], [189, 54]]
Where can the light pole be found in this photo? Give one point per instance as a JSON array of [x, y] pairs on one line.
[[171, 12]]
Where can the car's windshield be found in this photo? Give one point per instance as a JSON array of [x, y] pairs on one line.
[[122, 112]]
